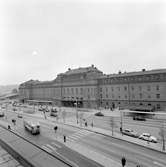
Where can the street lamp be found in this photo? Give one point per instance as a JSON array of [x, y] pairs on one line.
[[76, 110], [121, 121]]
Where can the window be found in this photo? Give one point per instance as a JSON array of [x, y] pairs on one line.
[[118, 88], [132, 87], [157, 96], [157, 87], [119, 97], [106, 89], [140, 95], [158, 106], [149, 104], [149, 96], [101, 96], [81, 91], [112, 96], [106, 95], [112, 88], [100, 89], [72, 90], [88, 89], [140, 104], [125, 88], [125, 96], [133, 96], [76, 91], [140, 88], [148, 88]]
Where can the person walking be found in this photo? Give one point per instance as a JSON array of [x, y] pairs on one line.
[[123, 160]]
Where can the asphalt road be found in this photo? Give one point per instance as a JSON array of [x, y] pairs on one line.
[[47, 140], [107, 146]]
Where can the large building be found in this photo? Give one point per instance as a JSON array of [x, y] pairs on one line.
[[90, 88]]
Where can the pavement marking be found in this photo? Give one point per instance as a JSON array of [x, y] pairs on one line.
[[79, 134], [51, 147], [159, 164], [57, 145], [47, 149]]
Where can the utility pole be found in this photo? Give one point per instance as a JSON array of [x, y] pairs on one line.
[[121, 121]]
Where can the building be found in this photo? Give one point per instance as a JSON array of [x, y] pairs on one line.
[[74, 87], [90, 88]]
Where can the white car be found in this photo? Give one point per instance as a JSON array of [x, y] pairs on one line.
[[148, 137], [130, 132]]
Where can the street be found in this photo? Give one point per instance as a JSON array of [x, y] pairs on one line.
[[110, 148]]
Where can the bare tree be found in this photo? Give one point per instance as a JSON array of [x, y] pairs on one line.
[[162, 133], [113, 124]]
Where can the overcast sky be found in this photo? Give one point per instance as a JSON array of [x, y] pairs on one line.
[[41, 38]]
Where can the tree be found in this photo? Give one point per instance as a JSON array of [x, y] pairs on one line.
[[162, 133], [64, 115], [113, 124]]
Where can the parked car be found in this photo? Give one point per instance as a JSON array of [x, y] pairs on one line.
[[2, 114], [54, 112], [148, 137], [130, 132], [139, 118], [99, 114], [19, 115]]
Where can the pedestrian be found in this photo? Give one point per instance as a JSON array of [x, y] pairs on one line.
[[123, 160], [9, 127], [55, 128], [64, 138], [92, 124]]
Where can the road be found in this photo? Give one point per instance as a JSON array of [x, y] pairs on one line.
[[107, 146], [151, 126], [47, 140]]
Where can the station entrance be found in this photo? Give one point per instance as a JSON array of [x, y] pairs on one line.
[[78, 104]]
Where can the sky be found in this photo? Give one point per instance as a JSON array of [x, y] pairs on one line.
[[42, 38]]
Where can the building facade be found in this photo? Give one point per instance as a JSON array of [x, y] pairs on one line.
[[90, 88]]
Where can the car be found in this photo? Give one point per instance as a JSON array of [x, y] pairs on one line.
[[148, 137], [2, 114], [14, 109], [19, 115], [130, 132], [54, 112], [99, 114], [139, 118]]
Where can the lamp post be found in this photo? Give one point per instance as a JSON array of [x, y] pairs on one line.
[[76, 110], [121, 121]]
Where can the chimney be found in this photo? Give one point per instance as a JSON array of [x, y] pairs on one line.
[[119, 72], [69, 69], [143, 70], [92, 65]]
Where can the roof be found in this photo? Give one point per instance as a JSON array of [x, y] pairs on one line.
[[135, 73], [81, 70]]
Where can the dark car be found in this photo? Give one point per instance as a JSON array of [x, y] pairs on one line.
[[99, 114], [139, 118], [130, 132]]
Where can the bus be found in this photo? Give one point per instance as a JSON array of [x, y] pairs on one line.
[[32, 126]]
